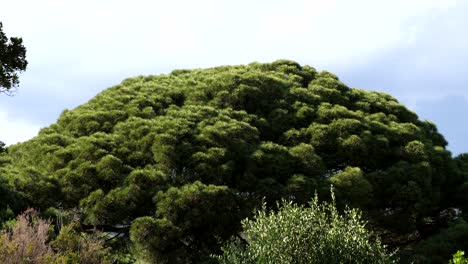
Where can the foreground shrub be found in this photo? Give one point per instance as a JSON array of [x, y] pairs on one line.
[[28, 241], [298, 234], [458, 258], [73, 246]]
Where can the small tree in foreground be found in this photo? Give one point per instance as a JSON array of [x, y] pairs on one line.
[[298, 234]]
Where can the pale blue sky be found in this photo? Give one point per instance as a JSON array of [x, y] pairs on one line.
[[414, 50]]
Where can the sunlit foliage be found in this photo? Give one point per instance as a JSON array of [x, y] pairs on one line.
[[183, 151], [317, 233]]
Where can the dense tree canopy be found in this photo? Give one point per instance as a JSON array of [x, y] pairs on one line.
[[183, 157], [12, 61]]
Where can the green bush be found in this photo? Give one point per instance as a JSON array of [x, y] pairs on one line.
[[72, 246], [458, 258], [299, 234]]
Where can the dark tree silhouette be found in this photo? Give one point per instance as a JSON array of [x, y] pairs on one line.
[[12, 61]]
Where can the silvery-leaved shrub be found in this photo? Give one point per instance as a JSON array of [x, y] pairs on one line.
[[317, 233]]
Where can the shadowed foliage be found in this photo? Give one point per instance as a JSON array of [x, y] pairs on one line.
[[12, 61]]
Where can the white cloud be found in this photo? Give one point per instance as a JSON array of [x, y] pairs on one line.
[[14, 131], [105, 36]]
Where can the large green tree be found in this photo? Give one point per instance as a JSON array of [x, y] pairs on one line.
[[12, 61], [182, 151]]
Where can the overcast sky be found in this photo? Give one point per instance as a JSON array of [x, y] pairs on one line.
[[415, 50]]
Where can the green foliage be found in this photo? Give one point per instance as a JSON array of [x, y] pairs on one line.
[[72, 246], [188, 222], [10, 199], [461, 192], [156, 240], [313, 234], [458, 258], [217, 141], [12, 60], [7, 200], [440, 247], [352, 188], [2, 147]]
